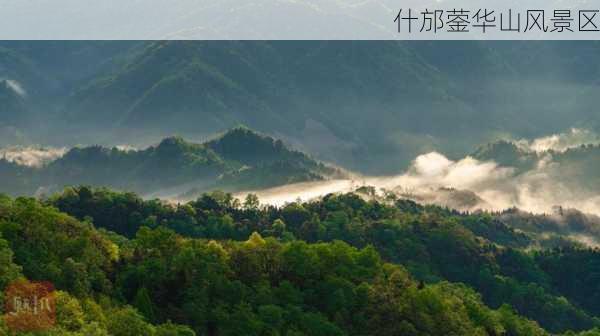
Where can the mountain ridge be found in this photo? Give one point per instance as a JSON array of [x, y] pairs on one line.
[[227, 161]]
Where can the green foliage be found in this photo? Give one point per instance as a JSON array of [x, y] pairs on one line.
[[240, 159], [9, 271], [69, 313], [433, 243], [577, 165], [52, 246], [128, 322], [170, 329], [143, 304], [335, 279]]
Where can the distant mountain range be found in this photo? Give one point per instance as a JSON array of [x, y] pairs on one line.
[[239, 159], [575, 167], [496, 176], [370, 106]]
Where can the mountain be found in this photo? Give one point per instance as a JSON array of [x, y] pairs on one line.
[[238, 159], [170, 163], [371, 106], [45, 73], [14, 112], [508, 154], [574, 167], [463, 200], [12, 102], [345, 101], [301, 90]]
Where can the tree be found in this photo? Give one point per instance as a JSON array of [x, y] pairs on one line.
[[251, 202], [170, 329], [143, 304], [9, 271], [128, 322], [69, 314], [278, 228]]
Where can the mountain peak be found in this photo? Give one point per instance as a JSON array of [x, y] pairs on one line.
[[243, 132], [238, 159], [176, 144], [249, 147], [172, 141], [506, 153]]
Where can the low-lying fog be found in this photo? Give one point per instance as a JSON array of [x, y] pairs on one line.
[[465, 184], [468, 184], [31, 156]]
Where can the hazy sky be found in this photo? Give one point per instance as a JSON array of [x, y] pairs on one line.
[[236, 19]]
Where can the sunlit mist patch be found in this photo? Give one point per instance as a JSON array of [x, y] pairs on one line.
[[467, 184], [31, 156], [560, 142]]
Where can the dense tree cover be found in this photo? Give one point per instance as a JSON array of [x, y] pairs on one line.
[[508, 154], [265, 287], [553, 229], [160, 283], [434, 244], [40, 243], [575, 272], [367, 105], [237, 159]]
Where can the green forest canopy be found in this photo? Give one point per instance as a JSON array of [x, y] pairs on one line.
[[336, 266]]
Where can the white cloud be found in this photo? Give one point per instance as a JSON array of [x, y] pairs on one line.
[[31, 156], [15, 87], [575, 137], [483, 185]]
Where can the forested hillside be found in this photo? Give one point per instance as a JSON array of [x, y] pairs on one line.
[[236, 160], [161, 283], [296, 276], [355, 103], [141, 233], [575, 167], [339, 265]]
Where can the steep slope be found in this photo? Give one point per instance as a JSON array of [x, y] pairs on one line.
[[508, 154], [19, 80], [43, 75], [356, 103], [291, 87], [19, 68], [368, 105], [14, 112], [12, 100], [172, 87], [250, 148], [576, 164], [171, 162]]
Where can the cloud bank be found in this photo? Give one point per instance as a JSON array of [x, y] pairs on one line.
[[470, 184], [31, 156], [575, 137]]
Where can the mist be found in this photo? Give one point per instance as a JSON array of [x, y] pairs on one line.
[[469, 184], [15, 86], [573, 138], [31, 156]]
